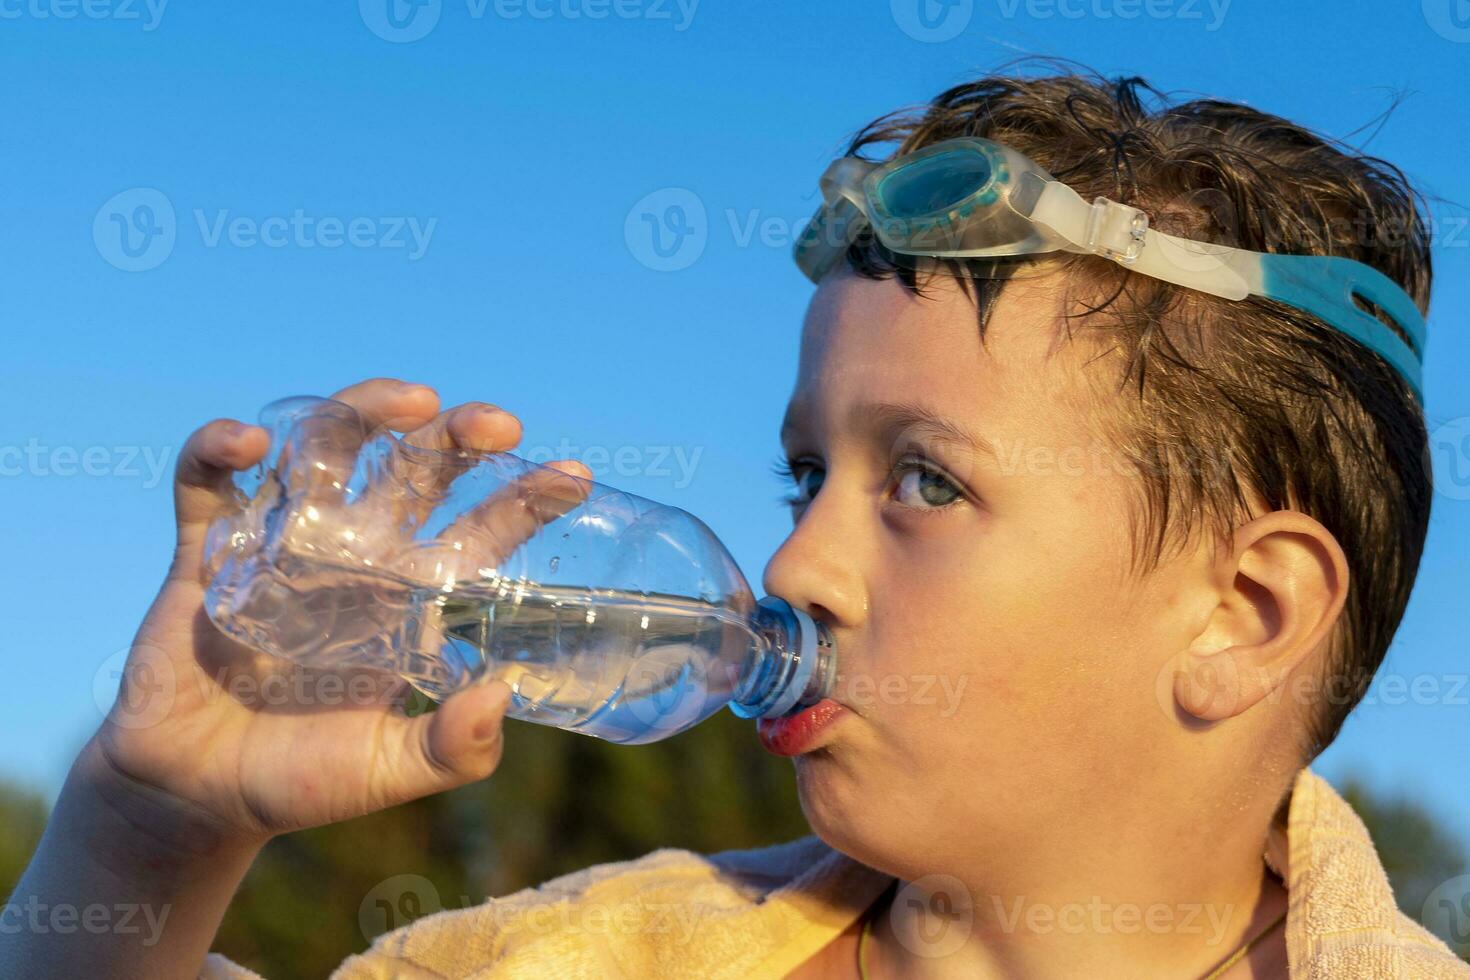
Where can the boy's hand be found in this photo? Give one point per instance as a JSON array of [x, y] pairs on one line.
[[184, 748]]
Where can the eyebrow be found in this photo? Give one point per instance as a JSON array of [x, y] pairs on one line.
[[888, 418]]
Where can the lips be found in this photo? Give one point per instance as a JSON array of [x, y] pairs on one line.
[[798, 733]]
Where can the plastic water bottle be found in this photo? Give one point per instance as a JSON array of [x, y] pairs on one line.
[[606, 613]]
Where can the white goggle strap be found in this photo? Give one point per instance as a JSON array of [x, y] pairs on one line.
[[1121, 233]]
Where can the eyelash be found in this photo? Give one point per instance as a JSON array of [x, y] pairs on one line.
[[786, 470]]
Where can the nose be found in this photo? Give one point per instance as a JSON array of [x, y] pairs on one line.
[[818, 568]]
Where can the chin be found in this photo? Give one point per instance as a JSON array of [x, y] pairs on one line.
[[836, 808], [870, 820]]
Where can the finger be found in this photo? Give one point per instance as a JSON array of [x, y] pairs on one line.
[[455, 745], [390, 403], [508, 517], [327, 439], [202, 481], [428, 459], [203, 485]]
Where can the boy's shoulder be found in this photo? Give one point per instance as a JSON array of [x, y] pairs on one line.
[[671, 912]]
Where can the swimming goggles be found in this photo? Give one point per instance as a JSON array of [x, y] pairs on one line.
[[972, 198]]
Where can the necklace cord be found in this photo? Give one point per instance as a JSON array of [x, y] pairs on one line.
[[1236, 956], [1218, 971]]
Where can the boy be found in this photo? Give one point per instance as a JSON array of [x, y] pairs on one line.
[[1045, 453]]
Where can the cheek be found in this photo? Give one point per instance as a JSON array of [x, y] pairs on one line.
[[1019, 637]]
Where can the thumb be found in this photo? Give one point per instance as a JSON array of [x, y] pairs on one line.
[[457, 744]]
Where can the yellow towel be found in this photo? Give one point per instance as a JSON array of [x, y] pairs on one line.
[[761, 913], [1341, 919]]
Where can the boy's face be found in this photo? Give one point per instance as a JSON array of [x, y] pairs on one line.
[[999, 664]]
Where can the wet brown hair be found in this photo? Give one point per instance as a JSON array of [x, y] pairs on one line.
[[1221, 402]]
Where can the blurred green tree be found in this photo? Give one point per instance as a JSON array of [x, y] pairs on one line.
[[22, 820]]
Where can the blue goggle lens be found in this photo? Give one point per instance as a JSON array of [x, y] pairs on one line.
[[933, 184]]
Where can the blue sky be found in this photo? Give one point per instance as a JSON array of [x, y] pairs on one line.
[[316, 193]]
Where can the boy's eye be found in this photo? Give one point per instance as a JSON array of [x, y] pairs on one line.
[[922, 487], [805, 478]]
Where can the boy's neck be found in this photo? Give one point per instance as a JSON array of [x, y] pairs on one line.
[[1168, 905]]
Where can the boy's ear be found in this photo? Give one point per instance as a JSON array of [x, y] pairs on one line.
[[1281, 587]]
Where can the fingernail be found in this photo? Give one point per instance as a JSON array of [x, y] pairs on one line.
[[488, 728], [233, 429]]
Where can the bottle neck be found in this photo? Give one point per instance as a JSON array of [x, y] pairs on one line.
[[794, 665]]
